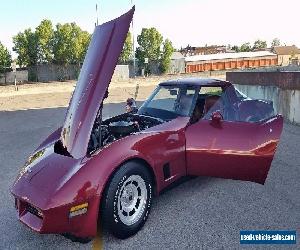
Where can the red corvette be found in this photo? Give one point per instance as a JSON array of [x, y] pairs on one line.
[[92, 169]]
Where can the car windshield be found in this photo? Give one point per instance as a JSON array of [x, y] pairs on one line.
[[169, 102]]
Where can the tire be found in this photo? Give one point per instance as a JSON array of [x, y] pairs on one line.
[[127, 200]]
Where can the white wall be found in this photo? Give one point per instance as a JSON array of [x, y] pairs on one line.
[[285, 102]]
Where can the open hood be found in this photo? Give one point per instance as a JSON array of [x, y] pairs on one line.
[[96, 73]]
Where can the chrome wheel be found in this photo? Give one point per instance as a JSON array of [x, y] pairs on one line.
[[132, 200]]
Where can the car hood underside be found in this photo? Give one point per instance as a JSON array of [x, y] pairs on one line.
[[98, 67]]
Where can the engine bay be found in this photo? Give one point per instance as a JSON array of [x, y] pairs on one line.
[[117, 127]]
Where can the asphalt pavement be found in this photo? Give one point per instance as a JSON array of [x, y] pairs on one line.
[[200, 213]]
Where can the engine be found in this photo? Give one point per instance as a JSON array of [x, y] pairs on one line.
[[115, 128]]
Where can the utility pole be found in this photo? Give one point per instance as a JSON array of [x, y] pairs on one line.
[[96, 24], [14, 68], [133, 47]]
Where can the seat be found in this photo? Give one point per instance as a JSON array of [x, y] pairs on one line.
[[212, 103], [198, 111]]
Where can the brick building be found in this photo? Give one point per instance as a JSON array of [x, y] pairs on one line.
[[287, 55], [227, 61], [206, 50]]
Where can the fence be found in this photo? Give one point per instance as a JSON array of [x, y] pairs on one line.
[[9, 77]]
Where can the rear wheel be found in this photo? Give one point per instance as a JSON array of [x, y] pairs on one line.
[[127, 200]]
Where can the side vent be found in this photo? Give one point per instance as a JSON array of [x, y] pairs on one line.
[[166, 170]]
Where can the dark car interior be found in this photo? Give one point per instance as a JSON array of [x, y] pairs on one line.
[[205, 105], [208, 103], [243, 110]]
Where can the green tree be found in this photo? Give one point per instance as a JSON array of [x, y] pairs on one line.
[[70, 43], [84, 40], [235, 48], [259, 44], [275, 42], [44, 33], [62, 43], [127, 49], [65, 45], [168, 49], [20, 47], [245, 47], [26, 46], [5, 60], [150, 41]]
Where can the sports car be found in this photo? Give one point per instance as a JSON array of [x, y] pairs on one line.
[[93, 169]]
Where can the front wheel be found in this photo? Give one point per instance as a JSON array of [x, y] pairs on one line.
[[127, 200]]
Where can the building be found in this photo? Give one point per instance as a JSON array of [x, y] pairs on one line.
[[212, 49], [287, 55], [228, 61], [177, 63]]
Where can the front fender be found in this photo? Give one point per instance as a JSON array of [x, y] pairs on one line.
[[107, 160], [157, 146], [162, 144]]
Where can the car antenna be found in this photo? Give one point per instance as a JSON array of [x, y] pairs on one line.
[[133, 57]]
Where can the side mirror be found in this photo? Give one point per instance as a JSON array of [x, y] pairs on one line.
[[216, 117]]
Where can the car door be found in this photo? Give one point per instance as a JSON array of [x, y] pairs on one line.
[[232, 149]]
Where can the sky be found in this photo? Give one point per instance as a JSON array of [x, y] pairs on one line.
[[193, 22]]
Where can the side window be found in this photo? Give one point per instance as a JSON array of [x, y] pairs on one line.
[[211, 91], [254, 110], [210, 99], [213, 101], [244, 109], [190, 91]]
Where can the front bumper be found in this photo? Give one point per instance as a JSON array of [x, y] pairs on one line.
[[57, 220], [53, 220]]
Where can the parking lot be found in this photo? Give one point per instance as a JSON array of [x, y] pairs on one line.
[[200, 213]]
